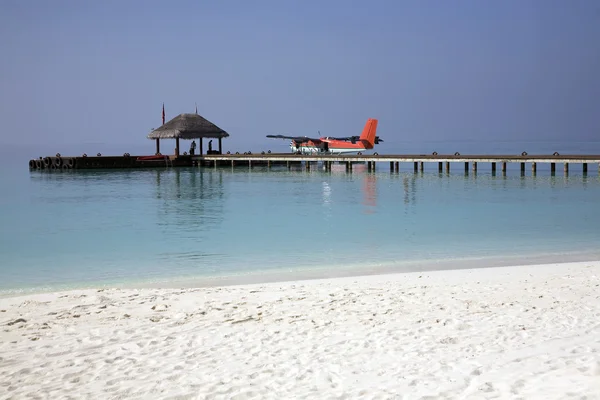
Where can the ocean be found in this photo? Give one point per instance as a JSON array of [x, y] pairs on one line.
[[202, 226]]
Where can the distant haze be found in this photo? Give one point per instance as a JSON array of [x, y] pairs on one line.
[[74, 72]]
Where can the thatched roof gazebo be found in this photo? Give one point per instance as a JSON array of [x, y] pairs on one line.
[[189, 127]]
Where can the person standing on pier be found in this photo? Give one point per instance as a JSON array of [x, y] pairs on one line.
[[193, 148]]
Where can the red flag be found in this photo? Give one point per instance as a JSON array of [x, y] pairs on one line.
[[163, 113]]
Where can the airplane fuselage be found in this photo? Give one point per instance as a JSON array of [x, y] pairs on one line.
[[320, 150], [335, 145]]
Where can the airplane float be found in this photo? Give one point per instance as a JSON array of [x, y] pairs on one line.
[[335, 145]]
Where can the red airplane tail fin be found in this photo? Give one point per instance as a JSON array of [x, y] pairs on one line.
[[369, 132]]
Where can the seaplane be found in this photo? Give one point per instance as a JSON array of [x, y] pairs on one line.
[[335, 145]]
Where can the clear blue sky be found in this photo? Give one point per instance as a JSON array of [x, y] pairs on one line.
[[99, 71]]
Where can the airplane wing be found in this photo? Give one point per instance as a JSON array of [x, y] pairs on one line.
[[297, 139]]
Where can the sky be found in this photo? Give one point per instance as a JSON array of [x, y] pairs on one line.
[[97, 73]]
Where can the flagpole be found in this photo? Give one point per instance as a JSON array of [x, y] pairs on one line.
[[163, 114]]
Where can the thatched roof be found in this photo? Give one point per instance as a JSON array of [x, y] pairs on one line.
[[188, 126]]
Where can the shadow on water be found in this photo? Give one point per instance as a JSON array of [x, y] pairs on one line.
[[191, 199]]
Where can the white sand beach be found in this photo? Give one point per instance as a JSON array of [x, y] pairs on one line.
[[530, 332]]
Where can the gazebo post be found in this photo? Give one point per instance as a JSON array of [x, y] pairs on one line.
[[201, 146], [177, 147], [157, 146], [220, 150]]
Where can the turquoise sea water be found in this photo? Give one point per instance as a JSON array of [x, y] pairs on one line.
[[90, 228]]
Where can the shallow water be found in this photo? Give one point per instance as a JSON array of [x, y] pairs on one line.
[[82, 228]]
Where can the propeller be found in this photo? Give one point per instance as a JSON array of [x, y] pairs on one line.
[[377, 140]]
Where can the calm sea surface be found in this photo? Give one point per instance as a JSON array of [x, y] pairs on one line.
[[91, 228]]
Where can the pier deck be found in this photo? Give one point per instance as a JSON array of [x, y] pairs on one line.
[[269, 159], [557, 159]]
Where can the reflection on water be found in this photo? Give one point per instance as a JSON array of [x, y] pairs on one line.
[[189, 209], [369, 186], [192, 199], [410, 190], [326, 194]]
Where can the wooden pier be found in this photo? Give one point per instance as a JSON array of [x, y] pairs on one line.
[[195, 127], [62, 163], [415, 162]]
